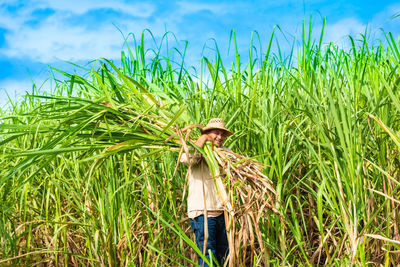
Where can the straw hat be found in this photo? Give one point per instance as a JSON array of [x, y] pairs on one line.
[[216, 123]]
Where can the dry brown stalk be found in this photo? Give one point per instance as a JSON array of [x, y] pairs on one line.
[[251, 193]]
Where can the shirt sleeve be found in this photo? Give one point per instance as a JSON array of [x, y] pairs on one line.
[[191, 158]]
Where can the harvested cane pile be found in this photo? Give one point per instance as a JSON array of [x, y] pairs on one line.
[[247, 195], [251, 193]]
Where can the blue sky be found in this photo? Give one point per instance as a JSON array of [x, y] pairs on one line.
[[37, 33]]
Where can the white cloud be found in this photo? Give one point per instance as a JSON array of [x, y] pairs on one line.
[[15, 89], [8, 2], [193, 7], [11, 21], [138, 9], [21, 86], [144, 10], [384, 20], [339, 31], [54, 38], [11, 86]]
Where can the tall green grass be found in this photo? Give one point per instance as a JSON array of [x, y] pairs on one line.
[[88, 173]]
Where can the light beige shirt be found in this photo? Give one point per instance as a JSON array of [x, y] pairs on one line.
[[199, 181]]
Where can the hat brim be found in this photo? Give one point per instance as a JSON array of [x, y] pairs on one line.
[[227, 132]]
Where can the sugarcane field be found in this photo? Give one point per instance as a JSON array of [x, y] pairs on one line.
[[301, 151]]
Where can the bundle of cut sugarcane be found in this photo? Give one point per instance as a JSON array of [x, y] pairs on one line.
[[251, 193], [245, 174]]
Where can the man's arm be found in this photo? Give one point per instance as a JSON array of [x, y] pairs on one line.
[[195, 158], [202, 140]]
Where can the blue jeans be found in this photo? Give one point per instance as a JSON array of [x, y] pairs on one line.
[[217, 240]]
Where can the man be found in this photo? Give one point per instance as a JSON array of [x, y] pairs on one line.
[[203, 200]]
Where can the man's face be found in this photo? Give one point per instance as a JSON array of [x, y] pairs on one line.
[[218, 136]]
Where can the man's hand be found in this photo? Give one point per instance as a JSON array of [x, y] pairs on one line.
[[203, 139]]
